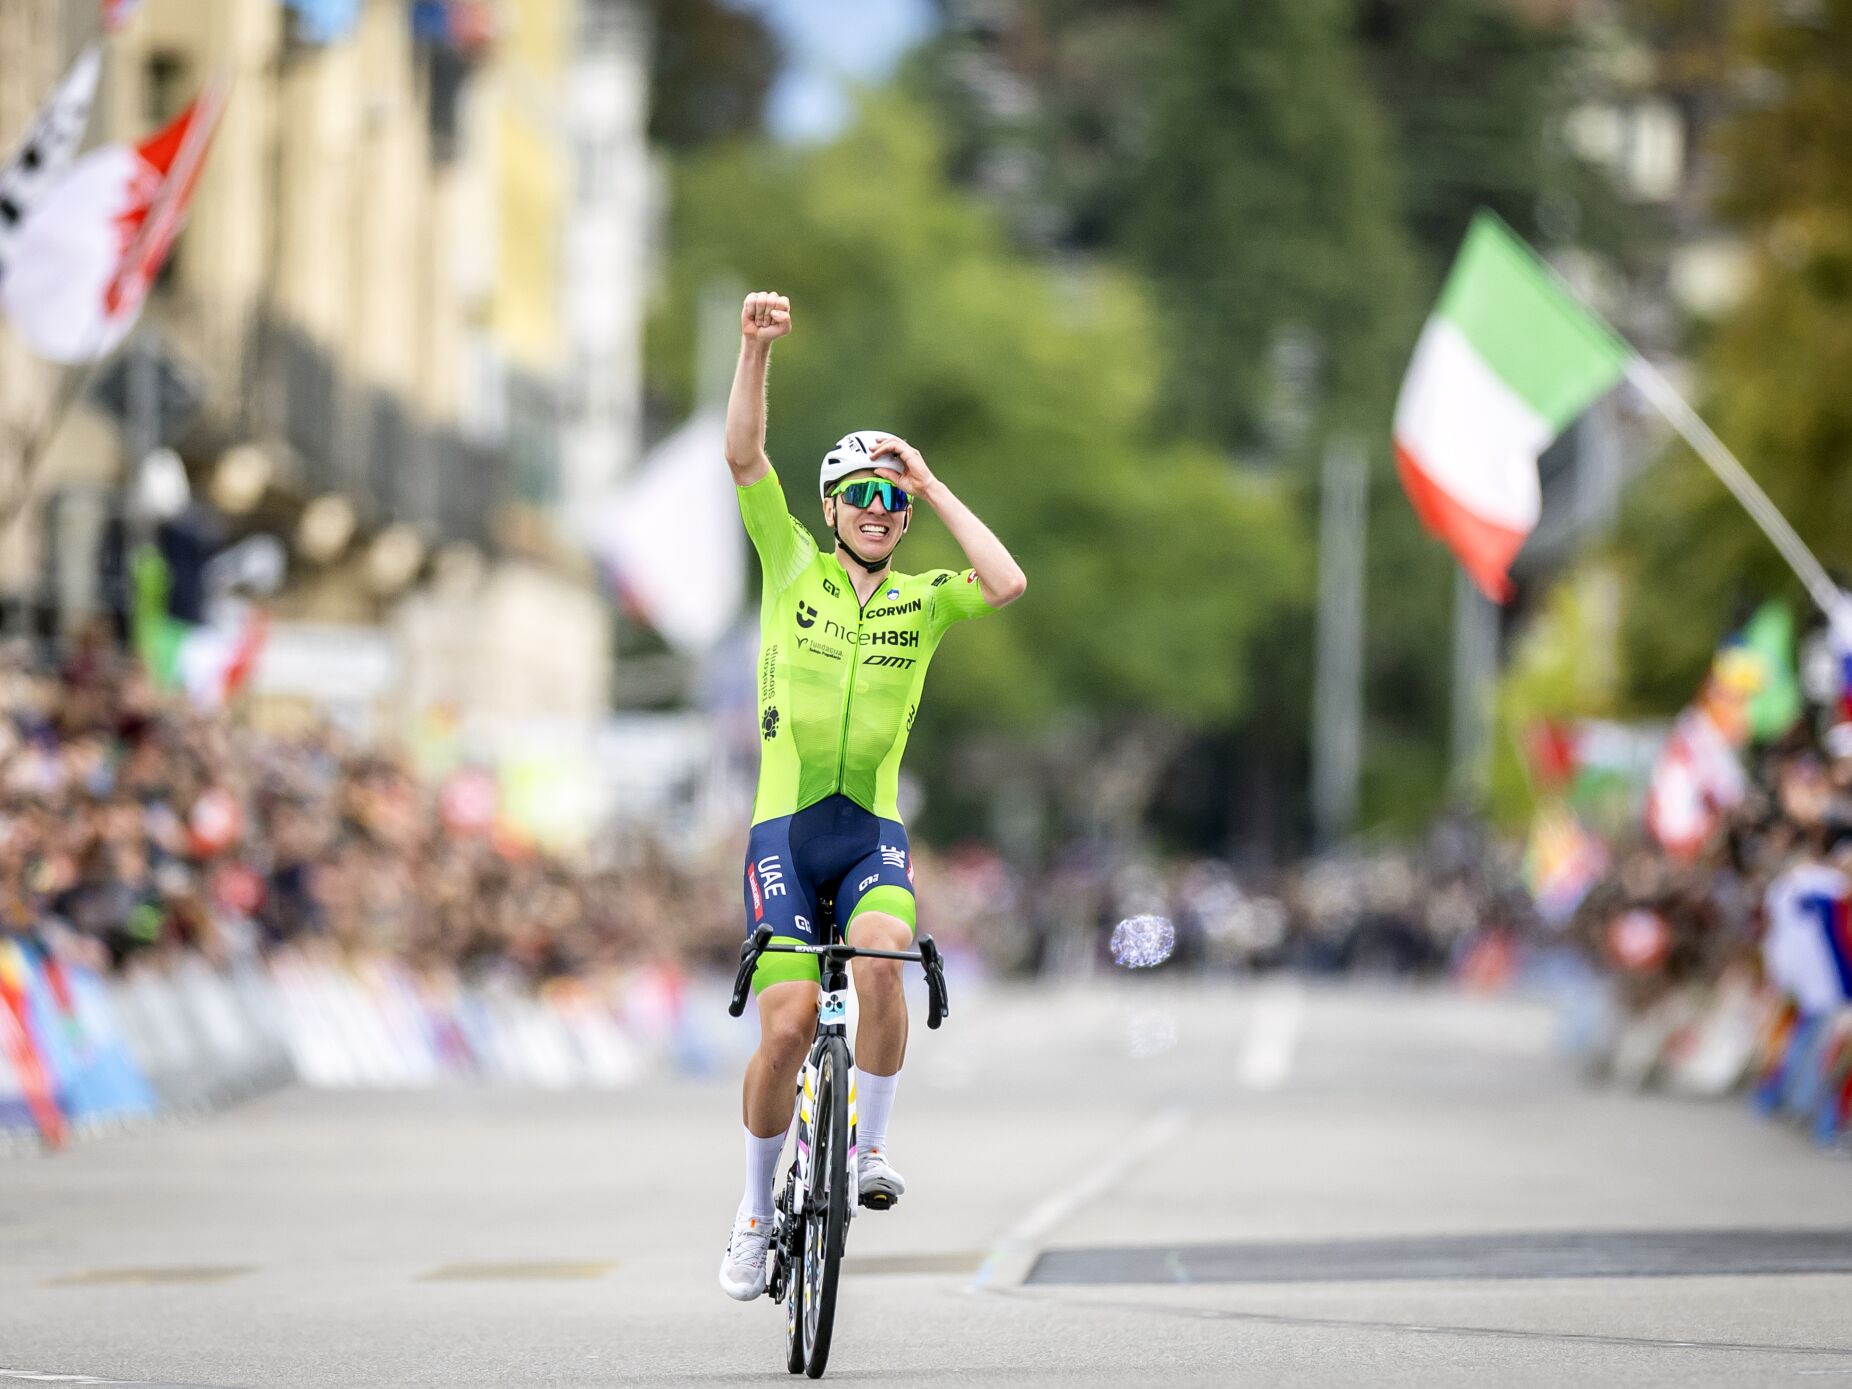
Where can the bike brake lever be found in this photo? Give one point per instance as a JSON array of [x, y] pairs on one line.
[[750, 951], [936, 1002]]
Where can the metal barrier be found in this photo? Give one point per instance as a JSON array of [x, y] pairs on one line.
[[80, 1052]]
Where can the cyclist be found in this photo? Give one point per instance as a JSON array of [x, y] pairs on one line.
[[843, 647]]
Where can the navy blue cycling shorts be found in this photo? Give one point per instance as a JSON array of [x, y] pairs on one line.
[[834, 851]]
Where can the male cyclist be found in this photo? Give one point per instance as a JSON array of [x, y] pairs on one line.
[[843, 647]]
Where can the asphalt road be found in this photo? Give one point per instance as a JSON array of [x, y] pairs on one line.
[[1148, 1184]]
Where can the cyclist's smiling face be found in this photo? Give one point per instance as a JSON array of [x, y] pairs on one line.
[[872, 530]]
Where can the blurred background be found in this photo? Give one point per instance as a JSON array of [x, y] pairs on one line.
[[443, 665], [376, 695]]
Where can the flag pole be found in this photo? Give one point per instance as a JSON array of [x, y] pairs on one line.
[[1660, 393]]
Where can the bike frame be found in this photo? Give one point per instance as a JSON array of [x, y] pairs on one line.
[[793, 1204]]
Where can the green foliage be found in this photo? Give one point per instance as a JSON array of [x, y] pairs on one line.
[[1032, 391], [711, 68], [1776, 367]]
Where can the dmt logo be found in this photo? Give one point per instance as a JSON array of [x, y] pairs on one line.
[[891, 662], [806, 615]]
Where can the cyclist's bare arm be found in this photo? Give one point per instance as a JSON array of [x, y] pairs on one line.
[[764, 318], [998, 575]]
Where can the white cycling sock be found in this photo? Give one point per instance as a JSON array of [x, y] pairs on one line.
[[874, 1102], [761, 1167]]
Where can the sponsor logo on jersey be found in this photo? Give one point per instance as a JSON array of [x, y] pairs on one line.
[[768, 724], [806, 615], [892, 594], [758, 902], [868, 882], [943, 579], [893, 856], [831, 589], [891, 662], [894, 610], [802, 922], [772, 876], [891, 636]]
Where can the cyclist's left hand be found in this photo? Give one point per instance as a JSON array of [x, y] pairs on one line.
[[905, 468]]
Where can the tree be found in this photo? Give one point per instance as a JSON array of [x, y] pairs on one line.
[[1034, 393], [1775, 366], [711, 68]]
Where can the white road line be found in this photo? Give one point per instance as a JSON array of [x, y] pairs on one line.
[[1023, 1237], [1266, 1057]]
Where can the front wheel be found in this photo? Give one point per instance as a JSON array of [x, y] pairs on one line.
[[827, 1209]]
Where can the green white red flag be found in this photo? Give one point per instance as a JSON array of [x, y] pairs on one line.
[[1506, 362]]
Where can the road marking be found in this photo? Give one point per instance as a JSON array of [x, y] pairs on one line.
[[95, 1276], [1021, 1239], [1266, 1057], [1496, 1333], [44, 1377], [526, 1272]]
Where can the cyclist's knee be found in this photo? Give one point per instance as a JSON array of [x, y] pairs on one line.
[[880, 931], [787, 1022]]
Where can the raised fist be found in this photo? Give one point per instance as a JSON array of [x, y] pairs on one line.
[[765, 317]]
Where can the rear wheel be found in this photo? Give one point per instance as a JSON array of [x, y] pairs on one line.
[[828, 1206]]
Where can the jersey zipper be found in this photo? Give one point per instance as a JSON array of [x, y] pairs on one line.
[[855, 660]]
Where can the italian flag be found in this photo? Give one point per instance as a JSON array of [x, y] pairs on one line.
[[1506, 361]]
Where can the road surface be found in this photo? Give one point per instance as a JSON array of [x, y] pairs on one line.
[[1153, 1183]]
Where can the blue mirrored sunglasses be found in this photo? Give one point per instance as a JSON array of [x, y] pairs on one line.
[[863, 491]]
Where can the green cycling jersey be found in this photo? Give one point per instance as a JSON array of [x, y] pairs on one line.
[[839, 680]]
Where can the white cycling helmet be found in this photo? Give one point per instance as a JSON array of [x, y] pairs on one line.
[[853, 453]]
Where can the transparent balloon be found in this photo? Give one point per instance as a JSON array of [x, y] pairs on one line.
[[1139, 942]]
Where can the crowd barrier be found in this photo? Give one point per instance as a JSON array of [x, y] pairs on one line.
[[78, 1051]]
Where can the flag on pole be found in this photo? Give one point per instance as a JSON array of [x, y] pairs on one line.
[[211, 660], [1506, 362], [84, 259], [48, 148], [1758, 663], [636, 536], [117, 13]]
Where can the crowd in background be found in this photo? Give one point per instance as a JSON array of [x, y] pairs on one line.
[[1661, 920], [132, 823]]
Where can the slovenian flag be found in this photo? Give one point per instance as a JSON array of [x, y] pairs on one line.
[[1506, 362]]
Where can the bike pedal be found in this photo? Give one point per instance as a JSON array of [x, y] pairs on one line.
[[878, 1200]]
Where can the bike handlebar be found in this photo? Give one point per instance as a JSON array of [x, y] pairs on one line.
[[927, 957]]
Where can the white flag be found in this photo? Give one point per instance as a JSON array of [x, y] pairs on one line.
[[84, 259], [47, 150], [689, 591]]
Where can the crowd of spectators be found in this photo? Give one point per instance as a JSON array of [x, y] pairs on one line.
[[132, 824], [1661, 921]]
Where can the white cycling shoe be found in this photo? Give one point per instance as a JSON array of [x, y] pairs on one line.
[[742, 1267], [880, 1186]]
